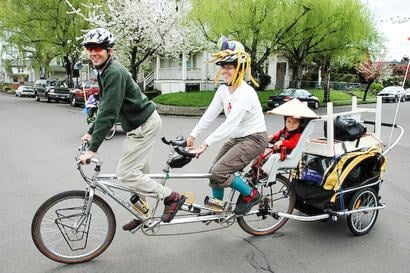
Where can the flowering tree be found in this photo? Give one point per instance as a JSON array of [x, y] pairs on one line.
[[370, 72], [143, 28]]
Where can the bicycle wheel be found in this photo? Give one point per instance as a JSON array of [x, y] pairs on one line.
[[280, 196], [362, 222], [111, 133], [54, 227]]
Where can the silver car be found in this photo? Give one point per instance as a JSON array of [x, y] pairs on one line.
[[408, 94], [393, 93], [24, 91]]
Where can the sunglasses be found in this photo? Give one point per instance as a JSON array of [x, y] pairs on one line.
[[94, 48]]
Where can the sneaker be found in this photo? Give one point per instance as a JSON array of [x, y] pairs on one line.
[[245, 203], [172, 204], [134, 223]]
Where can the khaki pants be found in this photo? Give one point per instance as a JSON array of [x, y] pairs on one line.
[[136, 156], [235, 155]]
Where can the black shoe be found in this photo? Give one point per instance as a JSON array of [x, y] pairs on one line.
[[131, 225], [245, 203]]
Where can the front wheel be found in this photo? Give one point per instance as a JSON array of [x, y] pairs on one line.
[[362, 222], [278, 197], [63, 232]]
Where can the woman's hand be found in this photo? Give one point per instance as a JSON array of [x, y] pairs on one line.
[[190, 141], [200, 150]]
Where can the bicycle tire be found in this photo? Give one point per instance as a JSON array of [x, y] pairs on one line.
[[54, 221], [361, 223], [280, 196], [111, 133]]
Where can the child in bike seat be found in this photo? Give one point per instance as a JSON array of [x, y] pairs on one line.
[[285, 139], [296, 116]]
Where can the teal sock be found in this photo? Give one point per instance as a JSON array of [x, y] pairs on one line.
[[240, 185], [218, 193]]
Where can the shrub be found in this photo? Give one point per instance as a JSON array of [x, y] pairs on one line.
[[376, 87]]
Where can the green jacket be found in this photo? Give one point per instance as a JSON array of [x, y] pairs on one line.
[[120, 97]]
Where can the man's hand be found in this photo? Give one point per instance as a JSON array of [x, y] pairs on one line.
[[86, 157], [200, 150], [190, 141], [87, 137]]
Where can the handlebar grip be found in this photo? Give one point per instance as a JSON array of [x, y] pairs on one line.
[[184, 153], [165, 141]]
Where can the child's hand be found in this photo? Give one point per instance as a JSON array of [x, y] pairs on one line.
[[270, 138], [277, 145]]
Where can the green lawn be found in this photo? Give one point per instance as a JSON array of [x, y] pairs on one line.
[[203, 98]]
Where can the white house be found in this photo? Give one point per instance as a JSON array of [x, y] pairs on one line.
[[193, 72]]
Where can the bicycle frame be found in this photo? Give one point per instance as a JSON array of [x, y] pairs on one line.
[[108, 184]]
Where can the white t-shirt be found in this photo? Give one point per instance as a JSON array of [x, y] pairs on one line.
[[243, 111]]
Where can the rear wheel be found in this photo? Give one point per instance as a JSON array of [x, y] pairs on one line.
[[362, 222], [55, 233], [279, 197]]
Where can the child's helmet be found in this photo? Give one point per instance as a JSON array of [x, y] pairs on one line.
[[99, 37]]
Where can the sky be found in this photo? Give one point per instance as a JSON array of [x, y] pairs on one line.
[[390, 16]]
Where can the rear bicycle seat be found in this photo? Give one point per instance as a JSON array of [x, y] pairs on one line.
[[273, 164]]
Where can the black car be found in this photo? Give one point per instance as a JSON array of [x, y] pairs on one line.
[[288, 94], [51, 90]]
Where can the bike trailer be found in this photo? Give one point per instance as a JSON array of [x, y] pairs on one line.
[[328, 183]]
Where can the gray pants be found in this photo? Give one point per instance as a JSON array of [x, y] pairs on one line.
[[136, 156], [235, 155]]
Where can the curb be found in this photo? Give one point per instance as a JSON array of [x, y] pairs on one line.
[[180, 110]]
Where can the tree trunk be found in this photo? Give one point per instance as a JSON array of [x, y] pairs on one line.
[[134, 64], [367, 89], [326, 81], [69, 66]]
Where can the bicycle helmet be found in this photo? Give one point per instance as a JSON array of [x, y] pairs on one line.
[[98, 37], [233, 52]]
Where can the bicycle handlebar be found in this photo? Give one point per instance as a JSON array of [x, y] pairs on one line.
[[179, 141], [184, 153]]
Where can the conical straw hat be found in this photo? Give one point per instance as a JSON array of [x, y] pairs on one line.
[[294, 108]]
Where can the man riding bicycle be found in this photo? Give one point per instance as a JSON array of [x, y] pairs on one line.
[[120, 96]]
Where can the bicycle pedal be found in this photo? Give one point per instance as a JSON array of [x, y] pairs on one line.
[[189, 198]]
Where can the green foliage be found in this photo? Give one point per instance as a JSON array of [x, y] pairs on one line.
[[376, 87]]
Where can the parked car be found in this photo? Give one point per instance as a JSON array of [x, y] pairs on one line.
[[51, 90], [24, 91], [392, 93], [288, 94], [77, 94], [407, 94]]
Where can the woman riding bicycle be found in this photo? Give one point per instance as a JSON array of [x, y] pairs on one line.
[[244, 124]]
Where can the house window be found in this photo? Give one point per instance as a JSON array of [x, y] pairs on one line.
[[191, 61]]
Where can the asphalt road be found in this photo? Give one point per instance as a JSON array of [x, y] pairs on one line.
[[38, 142]]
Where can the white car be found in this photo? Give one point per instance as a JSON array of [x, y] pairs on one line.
[[393, 93], [24, 91], [407, 94]]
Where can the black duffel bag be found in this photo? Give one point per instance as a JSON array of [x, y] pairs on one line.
[[346, 129]]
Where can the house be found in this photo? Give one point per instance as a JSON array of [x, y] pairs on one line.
[[192, 72], [15, 67]]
